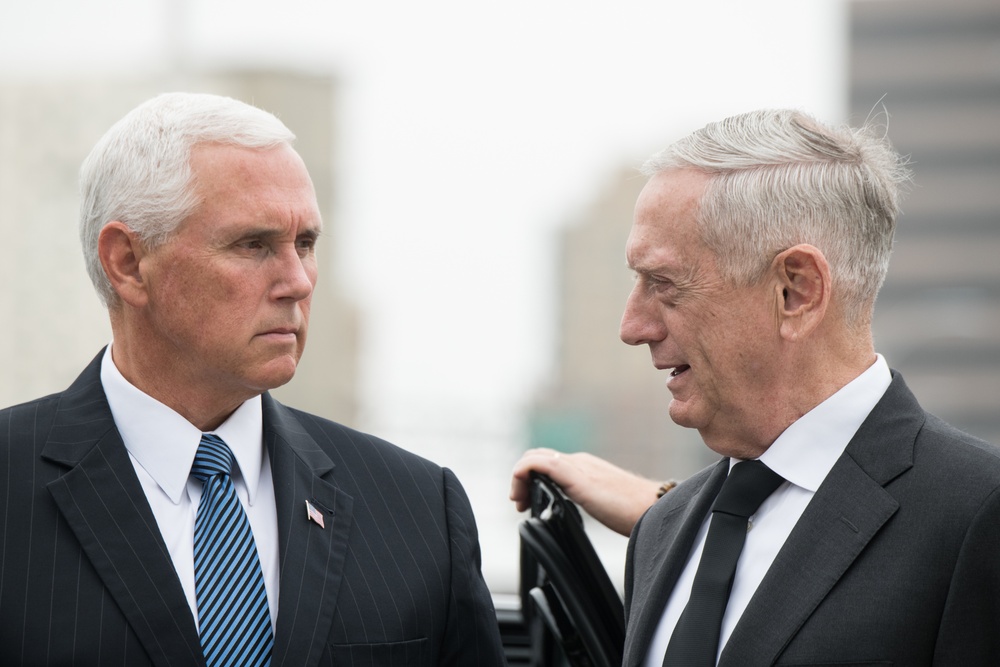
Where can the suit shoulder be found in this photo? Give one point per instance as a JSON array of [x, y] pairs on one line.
[[938, 428], [32, 405], [957, 447], [27, 419], [344, 442], [680, 496], [950, 470]]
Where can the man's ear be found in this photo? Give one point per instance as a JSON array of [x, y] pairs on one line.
[[803, 279], [121, 252]]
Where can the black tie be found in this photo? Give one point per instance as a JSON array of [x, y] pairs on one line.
[[695, 642]]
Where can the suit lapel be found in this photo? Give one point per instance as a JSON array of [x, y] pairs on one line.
[[102, 501], [678, 537], [844, 515], [848, 510], [311, 556]]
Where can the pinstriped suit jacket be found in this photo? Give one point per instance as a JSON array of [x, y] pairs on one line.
[[86, 579]]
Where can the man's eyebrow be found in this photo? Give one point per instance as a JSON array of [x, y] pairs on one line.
[[659, 270], [268, 232]]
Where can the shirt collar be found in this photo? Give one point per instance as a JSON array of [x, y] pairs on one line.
[[806, 452], [164, 443]]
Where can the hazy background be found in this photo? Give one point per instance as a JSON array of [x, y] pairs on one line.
[[469, 131], [469, 140]]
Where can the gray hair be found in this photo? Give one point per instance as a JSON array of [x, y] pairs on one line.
[[139, 172], [780, 178]]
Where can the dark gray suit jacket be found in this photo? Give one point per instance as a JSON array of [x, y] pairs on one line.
[[895, 561], [86, 579]]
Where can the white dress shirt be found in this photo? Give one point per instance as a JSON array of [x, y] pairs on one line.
[[162, 445], [803, 455]]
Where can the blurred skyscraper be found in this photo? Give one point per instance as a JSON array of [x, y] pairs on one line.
[[52, 322], [935, 66], [605, 397]]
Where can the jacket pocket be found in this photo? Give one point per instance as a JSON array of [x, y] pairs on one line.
[[878, 663], [410, 653]]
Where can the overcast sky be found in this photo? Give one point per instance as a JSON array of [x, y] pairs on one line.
[[471, 132]]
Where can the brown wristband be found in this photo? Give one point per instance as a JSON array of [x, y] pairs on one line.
[[666, 486]]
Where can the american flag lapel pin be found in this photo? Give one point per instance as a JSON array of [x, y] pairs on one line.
[[313, 514]]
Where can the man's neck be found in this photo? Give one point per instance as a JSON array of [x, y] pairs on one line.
[[799, 389]]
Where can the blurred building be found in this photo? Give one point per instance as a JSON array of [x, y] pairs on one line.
[[606, 397], [52, 321], [935, 68]]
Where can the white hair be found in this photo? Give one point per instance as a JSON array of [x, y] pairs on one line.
[[139, 172], [780, 178]]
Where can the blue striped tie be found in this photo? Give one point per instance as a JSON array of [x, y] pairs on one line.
[[233, 617]]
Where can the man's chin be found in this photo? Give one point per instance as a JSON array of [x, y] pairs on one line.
[[683, 413], [277, 374]]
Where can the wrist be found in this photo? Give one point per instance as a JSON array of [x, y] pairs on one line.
[[665, 488]]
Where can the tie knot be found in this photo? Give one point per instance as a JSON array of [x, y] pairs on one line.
[[748, 485], [213, 458]]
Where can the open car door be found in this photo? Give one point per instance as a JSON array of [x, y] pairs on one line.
[[568, 600]]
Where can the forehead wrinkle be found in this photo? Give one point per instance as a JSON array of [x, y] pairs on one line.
[[686, 276], [646, 258], [683, 268]]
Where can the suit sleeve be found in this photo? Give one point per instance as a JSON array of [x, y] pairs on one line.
[[630, 565], [472, 634], [970, 626]]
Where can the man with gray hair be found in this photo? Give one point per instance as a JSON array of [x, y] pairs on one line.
[[844, 525], [165, 510]]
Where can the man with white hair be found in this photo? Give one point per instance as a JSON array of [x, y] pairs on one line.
[[165, 510], [844, 525]]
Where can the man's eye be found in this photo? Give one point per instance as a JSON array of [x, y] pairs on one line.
[[306, 243]]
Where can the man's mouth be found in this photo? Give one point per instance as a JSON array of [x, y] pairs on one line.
[[286, 334], [280, 331], [677, 370]]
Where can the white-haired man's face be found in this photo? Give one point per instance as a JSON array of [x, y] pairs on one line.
[[228, 294], [718, 341]]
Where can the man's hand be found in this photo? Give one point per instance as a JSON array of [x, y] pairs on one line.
[[615, 497]]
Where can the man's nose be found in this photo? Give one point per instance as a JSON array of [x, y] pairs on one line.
[[296, 275], [641, 321]]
